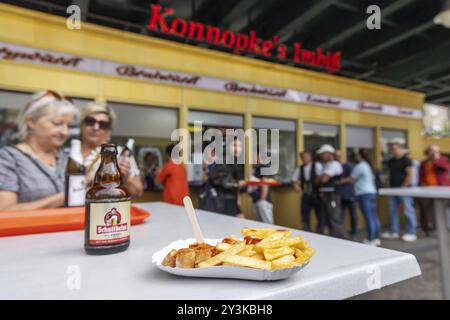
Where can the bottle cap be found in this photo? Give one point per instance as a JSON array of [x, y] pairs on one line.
[[109, 147]]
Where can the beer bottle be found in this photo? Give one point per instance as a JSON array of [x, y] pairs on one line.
[[108, 206], [127, 150], [75, 186]]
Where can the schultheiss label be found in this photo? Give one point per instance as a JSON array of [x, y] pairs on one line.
[[109, 223]]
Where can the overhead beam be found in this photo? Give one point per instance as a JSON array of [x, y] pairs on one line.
[[288, 30], [397, 39], [205, 9], [361, 25], [239, 10], [418, 65], [256, 15], [441, 100], [438, 92], [430, 83]]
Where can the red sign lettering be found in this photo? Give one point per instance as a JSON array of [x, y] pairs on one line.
[[251, 43]]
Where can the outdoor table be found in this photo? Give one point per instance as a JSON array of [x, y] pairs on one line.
[[43, 266], [440, 196]]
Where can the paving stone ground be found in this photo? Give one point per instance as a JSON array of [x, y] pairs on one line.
[[425, 287]]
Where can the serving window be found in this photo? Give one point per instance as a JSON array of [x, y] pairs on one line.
[[209, 120], [360, 138], [388, 135], [317, 134], [11, 102], [287, 144], [151, 127]]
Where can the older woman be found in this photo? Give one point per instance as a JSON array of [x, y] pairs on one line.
[[96, 124], [32, 172]]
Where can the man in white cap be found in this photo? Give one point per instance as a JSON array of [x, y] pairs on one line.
[[327, 179]]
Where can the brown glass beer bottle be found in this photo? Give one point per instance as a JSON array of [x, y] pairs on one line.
[[108, 208], [75, 186]]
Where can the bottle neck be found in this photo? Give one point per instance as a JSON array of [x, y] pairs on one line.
[[108, 173], [75, 152]]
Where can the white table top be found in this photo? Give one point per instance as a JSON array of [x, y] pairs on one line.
[[37, 266], [418, 192]]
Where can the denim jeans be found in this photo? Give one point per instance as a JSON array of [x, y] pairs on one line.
[[410, 213], [368, 205]]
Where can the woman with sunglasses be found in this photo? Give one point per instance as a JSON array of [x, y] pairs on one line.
[[96, 124], [32, 172]]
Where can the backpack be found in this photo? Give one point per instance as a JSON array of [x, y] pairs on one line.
[[378, 180]]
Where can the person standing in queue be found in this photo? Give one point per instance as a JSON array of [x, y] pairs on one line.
[[327, 178], [400, 176], [363, 178], [228, 180], [32, 172], [173, 177], [433, 171], [96, 124], [208, 197], [261, 195], [304, 181], [347, 192]]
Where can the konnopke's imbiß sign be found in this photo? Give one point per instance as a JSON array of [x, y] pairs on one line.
[[239, 42]]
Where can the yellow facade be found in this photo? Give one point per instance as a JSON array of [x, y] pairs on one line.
[[29, 28]]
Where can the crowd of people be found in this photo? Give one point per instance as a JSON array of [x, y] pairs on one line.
[[32, 174], [332, 188]]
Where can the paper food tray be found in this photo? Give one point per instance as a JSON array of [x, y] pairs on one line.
[[228, 272]]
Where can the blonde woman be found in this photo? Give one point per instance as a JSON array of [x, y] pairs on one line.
[[96, 124], [32, 172]]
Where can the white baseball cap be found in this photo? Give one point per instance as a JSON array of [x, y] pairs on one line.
[[397, 141], [326, 148]]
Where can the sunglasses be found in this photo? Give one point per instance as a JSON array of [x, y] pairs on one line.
[[104, 125]]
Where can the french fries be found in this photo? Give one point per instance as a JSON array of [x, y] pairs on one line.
[[265, 249], [258, 256], [221, 256], [248, 262], [222, 246], [261, 246], [247, 252], [257, 233], [272, 254], [287, 261]]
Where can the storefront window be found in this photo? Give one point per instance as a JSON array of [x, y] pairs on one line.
[[209, 120], [436, 120], [316, 134], [389, 135], [287, 144], [360, 138], [10, 105], [151, 127]]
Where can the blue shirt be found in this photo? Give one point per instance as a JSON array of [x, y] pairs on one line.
[[364, 179], [347, 189]]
